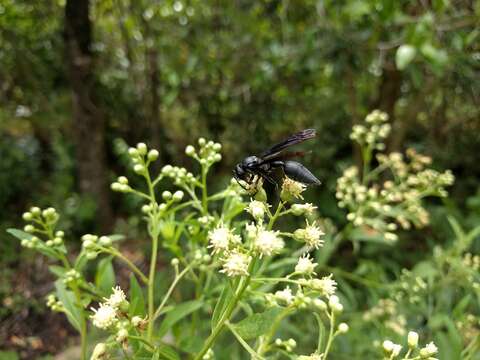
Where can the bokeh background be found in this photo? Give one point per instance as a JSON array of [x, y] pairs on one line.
[[80, 79]]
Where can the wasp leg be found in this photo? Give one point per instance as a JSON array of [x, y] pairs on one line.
[[267, 177]]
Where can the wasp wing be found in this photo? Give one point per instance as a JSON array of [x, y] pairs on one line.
[[275, 151]]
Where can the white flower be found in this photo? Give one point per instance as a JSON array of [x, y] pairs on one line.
[[257, 209], [268, 242], [310, 235], [326, 285], [251, 231], [99, 351], [388, 346], [412, 339], [236, 264], [221, 238], [429, 350], [292, 188], [305, 265], [104, 317], [117, 298], [300, 209], [285, 296]]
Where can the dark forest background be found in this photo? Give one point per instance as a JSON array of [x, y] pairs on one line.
[[79, 80]]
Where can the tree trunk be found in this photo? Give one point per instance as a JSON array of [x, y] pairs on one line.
[[88, 121]]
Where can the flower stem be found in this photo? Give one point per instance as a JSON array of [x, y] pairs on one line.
[[330, 335], [151, 287], [228, 312]]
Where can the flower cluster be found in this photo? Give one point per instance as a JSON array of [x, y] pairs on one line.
[[207, 154], [392, 350], [373, 132], [110, 311], [395, 202], [93, 245], [310, 235]]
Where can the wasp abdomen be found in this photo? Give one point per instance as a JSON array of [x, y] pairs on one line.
[[296, 171]]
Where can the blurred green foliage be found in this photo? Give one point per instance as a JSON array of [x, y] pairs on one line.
[[245, 73]]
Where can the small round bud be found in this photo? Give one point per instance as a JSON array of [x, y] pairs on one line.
[[122, 180], [162, 207], [35, 211], [190, 150], [206, 258], [133, 152], [320, 304], [202, 142], [91, 255], [278, 341], [58, 241], [203, 162], [412, 339], [178, 195], [175, 262], [29, 228], [87, 244], [59, 233], [24, 242], [153, 155], [139, 169], [342, 328], [105, 241], [27, 216], [291, 342], [142, 148], [167, 169], [217, 157], [116, 186], [49, 243], [217, 147], [146, 208], [388, 346], [166, 195]]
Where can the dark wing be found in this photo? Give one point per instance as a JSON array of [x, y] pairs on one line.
[[297, 138]]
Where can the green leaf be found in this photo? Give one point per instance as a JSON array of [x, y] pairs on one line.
[[57, 270], [74, 313], [8, 355], [19, 234], [177, 314], [105, 276], [137, 301], [257, 324], [222, 303], [404, 56]]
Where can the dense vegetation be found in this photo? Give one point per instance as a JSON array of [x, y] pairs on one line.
[[82, 79]]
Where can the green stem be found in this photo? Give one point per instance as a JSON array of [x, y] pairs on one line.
[[275, 216], [170, 290], [204, 190], [264, 345], [247, 347], [330, 335], [151, 287], [228, 312], [130, 264]]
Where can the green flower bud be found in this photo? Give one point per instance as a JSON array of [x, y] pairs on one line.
[[178, 195], [122, 180], [60, 233], [190, 150], [57, 241], [105, 241], [35, 211], [142, 148], [167, 169], [153, 155], [49, 243], [217, 157], [139, 169], [29, 228], [217, 147], [146, 209], [27, 216], [133, 152], [166, 195], [201, 142]]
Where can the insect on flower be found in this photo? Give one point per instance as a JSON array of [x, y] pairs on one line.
[[253, 168]]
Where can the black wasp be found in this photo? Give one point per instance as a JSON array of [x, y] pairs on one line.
[[252, 168]]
